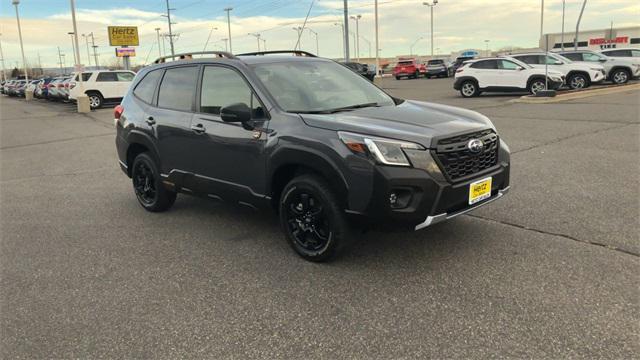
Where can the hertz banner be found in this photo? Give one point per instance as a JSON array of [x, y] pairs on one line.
[[123, 36]]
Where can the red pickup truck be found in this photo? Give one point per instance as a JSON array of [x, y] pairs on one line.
[[410, 69]]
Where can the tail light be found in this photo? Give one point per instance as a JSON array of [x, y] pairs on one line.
[[66, 86], [72, 85], [460, 70], [117, 112]]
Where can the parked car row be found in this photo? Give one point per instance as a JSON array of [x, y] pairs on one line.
[[100, 86]]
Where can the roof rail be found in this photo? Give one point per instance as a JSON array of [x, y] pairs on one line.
[[189, 55], [295, 52]]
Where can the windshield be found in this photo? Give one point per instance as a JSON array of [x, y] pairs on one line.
[[406, 62], [318, 86], [435, 62]]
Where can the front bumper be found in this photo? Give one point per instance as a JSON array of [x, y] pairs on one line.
[[432, 199]]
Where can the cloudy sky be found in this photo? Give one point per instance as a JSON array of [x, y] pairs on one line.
[[459, 24]]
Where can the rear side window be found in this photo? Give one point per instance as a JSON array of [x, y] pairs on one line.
[[107, 76], [124, 76], [529, 59], [147, 86], [178, 88], [222, 87], [85, 77], [573, 56], [485, 64]]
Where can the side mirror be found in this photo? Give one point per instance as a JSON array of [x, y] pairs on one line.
[[519, 68], [602, 60], [238, 112], [558, 62]]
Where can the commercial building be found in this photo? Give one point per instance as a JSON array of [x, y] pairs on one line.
[[622, 37]]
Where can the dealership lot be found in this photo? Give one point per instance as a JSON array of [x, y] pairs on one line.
[[550, 271]]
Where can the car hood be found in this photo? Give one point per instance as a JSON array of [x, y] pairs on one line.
[[414, 121]]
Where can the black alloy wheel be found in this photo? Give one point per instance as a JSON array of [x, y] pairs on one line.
[[147, 185], [313, 222]]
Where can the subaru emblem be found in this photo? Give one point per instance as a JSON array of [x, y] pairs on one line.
[[475, 146]]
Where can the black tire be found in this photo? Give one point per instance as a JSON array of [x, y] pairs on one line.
[[314, 223], [469, 89], [578, 81], [397, 77], [147, 185], [95, 100], [416, 74], [536, 85], [620, 76]]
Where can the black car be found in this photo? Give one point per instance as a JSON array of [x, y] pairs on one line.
[[362, 69], [460, 61], [307, 137]]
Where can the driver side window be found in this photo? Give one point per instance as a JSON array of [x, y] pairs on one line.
[[223, 87], [508, 65]]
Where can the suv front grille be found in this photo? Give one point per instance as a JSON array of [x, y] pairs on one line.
[[457, 161]]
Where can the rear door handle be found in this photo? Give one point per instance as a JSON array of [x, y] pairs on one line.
[[150, 120], [198, 128]]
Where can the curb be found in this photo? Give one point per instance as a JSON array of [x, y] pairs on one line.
[[576, 95]]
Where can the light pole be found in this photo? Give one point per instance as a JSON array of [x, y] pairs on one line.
[[486, 43], [86, 41], [208, 38], [226, 44], [414, 44], [541, 18], [345, 31], [431, 6], [82, 100], [24, 62], [95, 48], [575, 40], [4, 72], [264, 44], [562, 36], [298, 30], [158, 35], [228, 10], [344, 49], [173, 53], [257, 36], [73, 47], [377, 43], [317, 47], [357, 19], [368, 44]]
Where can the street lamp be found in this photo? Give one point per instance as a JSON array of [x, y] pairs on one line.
[[73, 46], [486, 43], [431, 6], [24, 62], [298, 30], [317, 47], [257, 36], [4, 72], [86, 40], [414, 44], [208, 38], [228, 10], [344, 48], [264, 44], [357, 19], [82, 100], [158, 35]]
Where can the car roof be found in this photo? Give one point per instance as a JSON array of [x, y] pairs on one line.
[[614, 49]]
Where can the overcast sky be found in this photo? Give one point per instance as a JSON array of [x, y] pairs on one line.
[[459, 24]]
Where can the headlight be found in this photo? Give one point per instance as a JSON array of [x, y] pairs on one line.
[[384, 151]]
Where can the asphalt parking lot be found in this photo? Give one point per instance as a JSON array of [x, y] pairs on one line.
[[551, 271]]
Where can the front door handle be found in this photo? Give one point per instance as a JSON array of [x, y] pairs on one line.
[[150, 120], [198, 128]]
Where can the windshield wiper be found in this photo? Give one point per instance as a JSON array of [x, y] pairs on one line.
[[344, 108]]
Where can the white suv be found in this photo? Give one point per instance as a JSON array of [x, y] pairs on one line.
[[578, 75], [619, 70], [102, 85], [627, 53], [503, 74]]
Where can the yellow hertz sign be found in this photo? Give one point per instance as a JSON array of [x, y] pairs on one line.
[[123, 36]]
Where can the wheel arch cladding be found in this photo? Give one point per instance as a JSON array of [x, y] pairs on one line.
[[289, 163], [139, 143]]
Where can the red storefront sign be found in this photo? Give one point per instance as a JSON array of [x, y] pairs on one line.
[[602, 41]]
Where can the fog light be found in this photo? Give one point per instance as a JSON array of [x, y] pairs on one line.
[[400, 198]]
